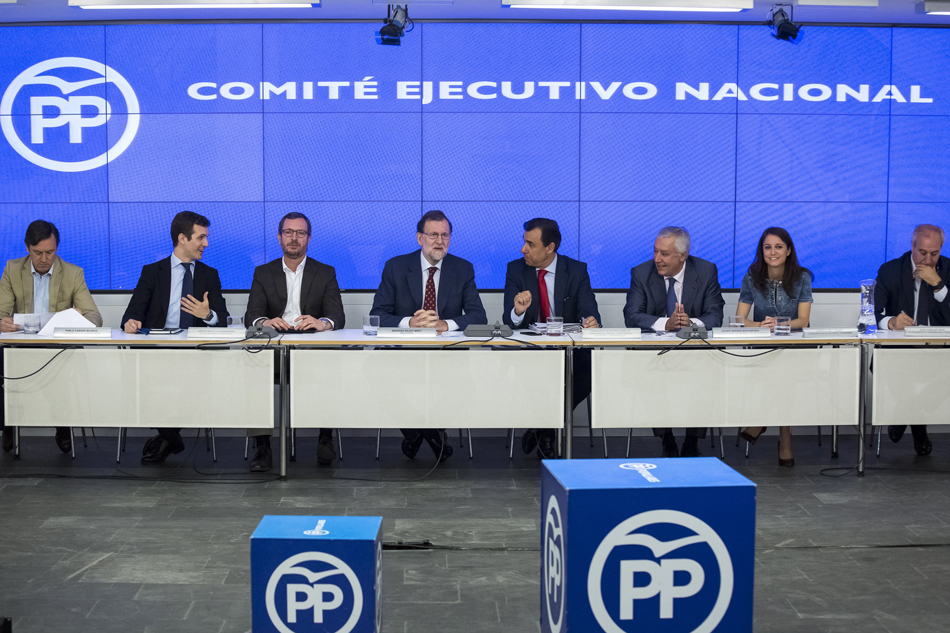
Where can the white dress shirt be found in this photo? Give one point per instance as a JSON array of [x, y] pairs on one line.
[[435, 279], [41, 290], [516, 319], [173, 318], [294, 281], [660, 324]]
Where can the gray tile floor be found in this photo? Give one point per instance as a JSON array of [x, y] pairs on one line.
[[148, 555]]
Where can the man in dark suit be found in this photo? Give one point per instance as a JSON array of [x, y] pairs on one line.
[[165, 297], [669, 292], [541, 284], [429, 288], [912, 290], [299, 293]]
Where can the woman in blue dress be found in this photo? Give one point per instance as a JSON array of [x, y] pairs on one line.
[[778, 287]]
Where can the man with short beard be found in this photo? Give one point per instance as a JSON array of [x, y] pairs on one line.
[[299, 293]]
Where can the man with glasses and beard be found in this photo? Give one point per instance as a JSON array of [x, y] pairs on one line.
[[298, 293], [429, 288]]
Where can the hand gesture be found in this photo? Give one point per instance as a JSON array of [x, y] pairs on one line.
[[768, 322], [7, 325], [277, 324], [307, 322], [928, 274], [590, 322], [200, 309], [132, 326], [522, 301], [679, 318], [441, 326], [900, 322], [424, 319]]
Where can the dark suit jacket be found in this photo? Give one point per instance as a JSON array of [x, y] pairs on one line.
[[573, 297], [319, 293], [149, 303], [401, 292], [895, 290], [702, 296]]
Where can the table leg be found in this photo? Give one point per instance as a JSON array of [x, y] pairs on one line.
[[834, 441], [862, 406], [568, 403], [282, 354]]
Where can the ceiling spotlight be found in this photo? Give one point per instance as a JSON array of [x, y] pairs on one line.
[[396, 20], [781, 23]]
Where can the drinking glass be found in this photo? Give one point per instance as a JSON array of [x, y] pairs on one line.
[[555, 326], [370, 325], [783, 326]]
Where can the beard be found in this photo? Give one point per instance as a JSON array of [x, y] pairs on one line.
[[293, 251]]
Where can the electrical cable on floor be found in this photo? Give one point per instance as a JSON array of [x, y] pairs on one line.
[[438, 462]]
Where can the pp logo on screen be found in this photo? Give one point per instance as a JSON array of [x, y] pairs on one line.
[[554, 565], [313, 593], [68, 108], [673, 598]]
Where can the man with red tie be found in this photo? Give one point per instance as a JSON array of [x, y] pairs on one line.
[[429, 288], [541, 284]]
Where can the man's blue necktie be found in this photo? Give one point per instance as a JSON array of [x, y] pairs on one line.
[[186, 320], [671, 297]]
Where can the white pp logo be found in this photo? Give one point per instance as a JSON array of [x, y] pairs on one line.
[[69, 113], [317, 531], [554, 565], [313, 595], [661, 573], [644, 469]]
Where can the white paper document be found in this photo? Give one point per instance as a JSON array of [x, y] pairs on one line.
[[66, 318]]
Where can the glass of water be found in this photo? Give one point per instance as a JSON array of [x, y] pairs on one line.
[[236, 321], [370, 325], [555, 326], [31, 324], [783, 326], [736, 321]]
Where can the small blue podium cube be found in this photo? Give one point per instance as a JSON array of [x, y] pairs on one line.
[[317, 574], [665, 545]]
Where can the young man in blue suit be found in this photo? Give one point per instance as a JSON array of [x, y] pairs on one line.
[[543, 283], [429, 288], [669, 292]]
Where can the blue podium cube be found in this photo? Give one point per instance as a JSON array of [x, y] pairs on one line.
[[665, 545], [317, 574]]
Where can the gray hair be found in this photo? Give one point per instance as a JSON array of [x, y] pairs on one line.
[[922, 229], [681, 235]]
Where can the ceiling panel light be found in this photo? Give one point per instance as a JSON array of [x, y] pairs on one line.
[[699, 6], [933, 8], [184, 4]]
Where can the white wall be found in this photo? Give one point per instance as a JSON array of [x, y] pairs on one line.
[[830, 309]]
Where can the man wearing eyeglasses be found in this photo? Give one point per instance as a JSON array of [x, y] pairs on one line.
[[429, 288], [294, 292]]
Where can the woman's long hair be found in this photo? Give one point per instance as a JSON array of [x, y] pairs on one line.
[[759, 270]]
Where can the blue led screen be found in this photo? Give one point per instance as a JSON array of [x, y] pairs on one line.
[[613, 130]]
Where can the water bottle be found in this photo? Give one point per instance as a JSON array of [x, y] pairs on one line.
[[867, 324]]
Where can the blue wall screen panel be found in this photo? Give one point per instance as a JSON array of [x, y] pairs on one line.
[[615, 130]]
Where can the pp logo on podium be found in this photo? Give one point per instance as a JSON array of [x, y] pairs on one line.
[[57, 91], [316, 586], [554, 565], [661, 570]]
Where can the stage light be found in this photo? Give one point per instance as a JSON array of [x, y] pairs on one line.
[[782, 26], [396, 20]]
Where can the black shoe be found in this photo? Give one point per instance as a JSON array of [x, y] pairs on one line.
[[263, 458], [439, 444], [165, 448], [410, 445], [690, 448], [896, 432], [7, 439], [63, 439], [325, 451], [151, 445], [529, 441], [670, 449], [546, 448], [921, 442]]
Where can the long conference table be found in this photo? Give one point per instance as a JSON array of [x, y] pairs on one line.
[[343, 379]]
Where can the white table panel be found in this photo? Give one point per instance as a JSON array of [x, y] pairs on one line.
[[909, 386], [704, 387], [104, 387], [421, 388]]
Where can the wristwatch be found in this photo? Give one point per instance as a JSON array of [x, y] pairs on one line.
[[940, 286]]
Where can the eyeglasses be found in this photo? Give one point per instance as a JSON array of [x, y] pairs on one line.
[[290, 233], [435, 236]]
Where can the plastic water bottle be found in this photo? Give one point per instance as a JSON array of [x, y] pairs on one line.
[[867, 324]]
